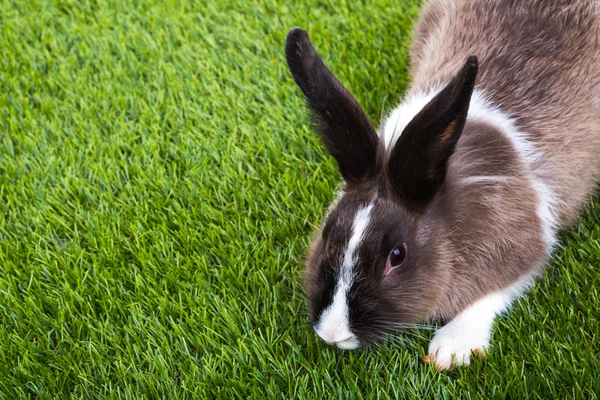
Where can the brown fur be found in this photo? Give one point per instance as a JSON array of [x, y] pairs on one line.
[[540, 62], [493, 232], [477, 229]]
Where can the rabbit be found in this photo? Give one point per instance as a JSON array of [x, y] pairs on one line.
[[449, 211]]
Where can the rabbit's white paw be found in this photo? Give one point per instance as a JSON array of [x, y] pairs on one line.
[[454, 344]]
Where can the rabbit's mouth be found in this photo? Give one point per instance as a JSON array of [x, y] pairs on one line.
[[348, 344], [343, 340], [337, 335]]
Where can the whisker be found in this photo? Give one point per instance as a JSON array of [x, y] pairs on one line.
[[403, 338], [294, 288], [407, 325], [386, 331]]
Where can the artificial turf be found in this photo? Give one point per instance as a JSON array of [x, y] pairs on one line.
[[159, 185]]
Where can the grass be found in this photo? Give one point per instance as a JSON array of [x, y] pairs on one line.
[[159, 185]]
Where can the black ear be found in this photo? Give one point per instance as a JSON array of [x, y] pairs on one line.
[[417, 163], [340, 121]]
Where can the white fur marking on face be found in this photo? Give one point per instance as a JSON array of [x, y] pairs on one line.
[[334, 323], [481, 110], [471, 329], [469, 180], [402, 115]]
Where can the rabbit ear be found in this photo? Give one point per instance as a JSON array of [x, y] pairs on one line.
[[418, 161], [340, 121]]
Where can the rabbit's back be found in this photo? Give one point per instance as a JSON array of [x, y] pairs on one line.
[[540, 64]]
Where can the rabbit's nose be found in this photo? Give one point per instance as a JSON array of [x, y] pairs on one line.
[[339, 337], [334, 325]]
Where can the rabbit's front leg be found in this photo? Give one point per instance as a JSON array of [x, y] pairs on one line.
[[469, 332]]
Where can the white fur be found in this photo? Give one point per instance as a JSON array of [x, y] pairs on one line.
[[483, 111], [471, 329], [334, 324], [485, 179], [402, 115]]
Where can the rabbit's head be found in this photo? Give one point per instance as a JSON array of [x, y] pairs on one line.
[[377, 265]]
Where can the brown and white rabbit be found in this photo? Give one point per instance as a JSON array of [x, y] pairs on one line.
[[450, 210]]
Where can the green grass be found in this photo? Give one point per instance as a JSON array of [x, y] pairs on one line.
[[159, 185]]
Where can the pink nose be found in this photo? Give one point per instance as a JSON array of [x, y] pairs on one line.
[[332, 336], [342, 340]]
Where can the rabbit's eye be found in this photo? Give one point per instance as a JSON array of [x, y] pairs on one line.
[[395, 259]]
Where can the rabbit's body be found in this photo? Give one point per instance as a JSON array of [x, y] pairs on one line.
[[540, 64], [452, 208], [532, 137]]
